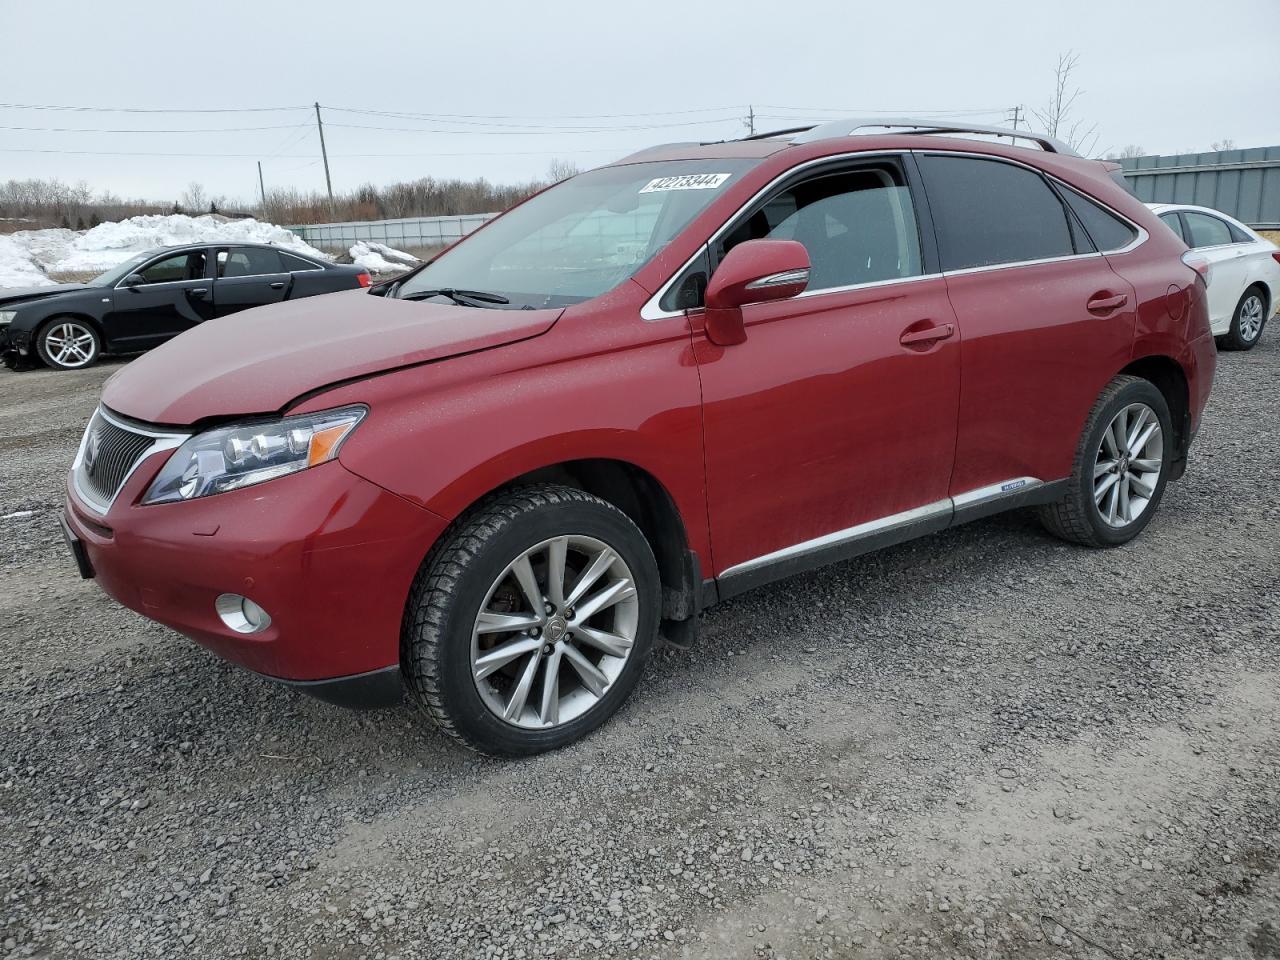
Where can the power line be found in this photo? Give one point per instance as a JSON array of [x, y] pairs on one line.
[[298, 156], [48, 106], [561, 131], [286, 126]]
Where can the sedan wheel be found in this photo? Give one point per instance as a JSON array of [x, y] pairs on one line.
[[1127, 468], [68, 345], [1247, 324]]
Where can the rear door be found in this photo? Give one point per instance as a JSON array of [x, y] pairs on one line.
[[248, 277], [174, 296], [1045, 321], [1212, 237]]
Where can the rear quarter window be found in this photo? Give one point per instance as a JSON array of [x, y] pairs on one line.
[[989, 212], [1108, 232]]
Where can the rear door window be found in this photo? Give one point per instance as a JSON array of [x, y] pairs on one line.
[[989, 212], [293, 264], [1174, 223], [1206, 231], [248, 262]]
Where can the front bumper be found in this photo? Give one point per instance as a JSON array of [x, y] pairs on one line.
[[329, 555]]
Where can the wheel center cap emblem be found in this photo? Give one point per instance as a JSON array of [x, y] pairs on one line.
[[557, 628]]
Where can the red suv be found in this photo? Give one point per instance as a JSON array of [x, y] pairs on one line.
[[498, 479]]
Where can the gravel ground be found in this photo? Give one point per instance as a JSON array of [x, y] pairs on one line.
[[983, 744]]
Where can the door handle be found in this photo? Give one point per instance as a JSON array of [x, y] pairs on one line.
[[197, 291], [277, 285], [1108, 303], [941, 331]]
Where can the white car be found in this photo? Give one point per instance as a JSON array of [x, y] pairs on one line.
[[1244, 287]]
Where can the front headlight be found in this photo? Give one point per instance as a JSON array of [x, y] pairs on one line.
[[6, 317], [229, 458]]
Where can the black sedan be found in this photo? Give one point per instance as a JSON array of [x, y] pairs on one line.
[[156, 296]]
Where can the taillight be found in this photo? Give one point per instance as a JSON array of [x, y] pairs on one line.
[[1276, 256], [364, 279], [1200, 264]]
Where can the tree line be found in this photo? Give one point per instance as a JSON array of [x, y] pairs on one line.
[[37, 204]]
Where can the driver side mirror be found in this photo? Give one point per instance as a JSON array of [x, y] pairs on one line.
[[134, 280], [755, 271]]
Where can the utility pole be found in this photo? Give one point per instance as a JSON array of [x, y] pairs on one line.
[[325, 155], [1015, 115], [751, 120], [261, 188]]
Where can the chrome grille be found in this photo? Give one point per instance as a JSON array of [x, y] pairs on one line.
[[109, 453]]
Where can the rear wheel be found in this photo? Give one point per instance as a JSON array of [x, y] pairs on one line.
[[66, 343], [1120, 468], [1247, 322], [529, 624]]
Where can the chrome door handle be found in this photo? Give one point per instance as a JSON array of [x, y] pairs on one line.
[[1108, 303], [197, 291], [278, 285]]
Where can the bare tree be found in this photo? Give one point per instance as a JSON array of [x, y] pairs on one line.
[[1056, 117], [1127, 152], [1227, 144], [562, 170], [194, 200]]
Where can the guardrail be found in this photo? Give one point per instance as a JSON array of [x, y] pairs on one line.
[[1244, 184], [400, 233]]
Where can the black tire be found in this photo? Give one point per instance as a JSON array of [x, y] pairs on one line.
[[1077, 517], [59, 330], [454, 582], [1255, 298]]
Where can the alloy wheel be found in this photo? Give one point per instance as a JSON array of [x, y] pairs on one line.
[[555, 632], [70, 344], [1127, 468], [1251, 318]]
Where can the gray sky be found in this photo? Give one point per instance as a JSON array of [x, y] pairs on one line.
[[1168, 75]]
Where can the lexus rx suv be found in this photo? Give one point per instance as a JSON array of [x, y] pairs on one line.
[[495, 482]]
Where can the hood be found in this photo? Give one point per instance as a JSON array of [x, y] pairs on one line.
[[258, 360], [12, 295]]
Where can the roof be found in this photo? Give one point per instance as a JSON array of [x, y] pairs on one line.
[[766, 144]]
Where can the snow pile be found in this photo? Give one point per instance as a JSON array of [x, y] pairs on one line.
[[26, 256], [379, 258], [109, 244], [17, 268]]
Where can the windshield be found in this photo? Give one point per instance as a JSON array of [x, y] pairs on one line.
[[118, 273], [581, 238]]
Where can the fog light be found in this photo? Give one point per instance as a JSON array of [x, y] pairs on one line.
[[241, 614]]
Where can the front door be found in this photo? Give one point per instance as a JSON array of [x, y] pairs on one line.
[[249, 277], [174, 296], [834, 424]]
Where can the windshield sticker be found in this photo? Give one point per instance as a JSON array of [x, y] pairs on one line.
[[690, 181]]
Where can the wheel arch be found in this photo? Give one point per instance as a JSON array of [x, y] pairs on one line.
[[647, 502], [88, 318], [1167, 375]]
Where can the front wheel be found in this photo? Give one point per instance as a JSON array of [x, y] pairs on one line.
[[528, 625], [68, 344], [1247, 322], [1120, 468]]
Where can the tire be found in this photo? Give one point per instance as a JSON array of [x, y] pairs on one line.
[[1081, 516], [470, 601], [68, 343], [1247, 321]]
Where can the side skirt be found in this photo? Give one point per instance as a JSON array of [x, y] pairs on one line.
[[885, 532]]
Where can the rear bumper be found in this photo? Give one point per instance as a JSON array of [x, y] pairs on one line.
[[330, 556]]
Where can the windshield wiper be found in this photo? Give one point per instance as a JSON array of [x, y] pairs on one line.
[[465, 298]]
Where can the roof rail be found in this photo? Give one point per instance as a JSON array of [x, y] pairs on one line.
[[852, 125]]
